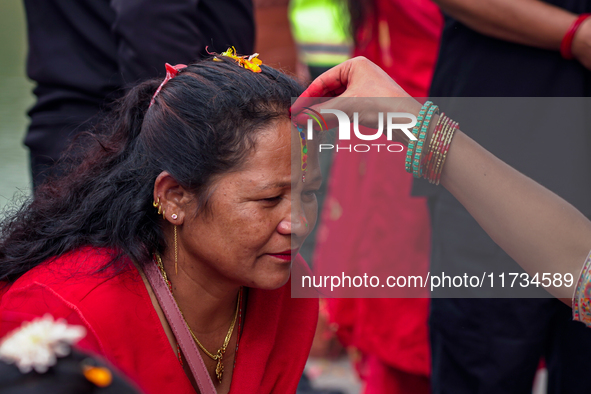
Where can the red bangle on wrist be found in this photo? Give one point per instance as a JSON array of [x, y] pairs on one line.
[[567, 40]]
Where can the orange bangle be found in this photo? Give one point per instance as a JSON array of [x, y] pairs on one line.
[[429, 153], [453, 129], [439, 152], [437, 148]]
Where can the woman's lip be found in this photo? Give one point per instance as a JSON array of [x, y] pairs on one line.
[[282, 256], [286, 255]]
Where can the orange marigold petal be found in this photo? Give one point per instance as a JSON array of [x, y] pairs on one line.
[[100, 376]]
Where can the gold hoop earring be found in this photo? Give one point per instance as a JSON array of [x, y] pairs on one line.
[[176, 253], [161, 211]]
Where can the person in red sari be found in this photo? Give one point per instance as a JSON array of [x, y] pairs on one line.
[[391, 335], [195, 174]]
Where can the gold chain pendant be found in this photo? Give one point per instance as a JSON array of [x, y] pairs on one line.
[[219, 369]]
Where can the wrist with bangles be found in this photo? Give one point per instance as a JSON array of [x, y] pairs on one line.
[[426, 155]]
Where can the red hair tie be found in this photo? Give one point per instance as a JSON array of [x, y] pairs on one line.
[[171, 72]]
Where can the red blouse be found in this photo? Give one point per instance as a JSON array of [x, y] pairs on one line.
[[123, 326]]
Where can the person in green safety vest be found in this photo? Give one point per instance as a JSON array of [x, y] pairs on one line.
[[321, 31]]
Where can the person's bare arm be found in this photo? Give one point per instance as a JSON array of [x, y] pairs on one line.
[[539, 230], [527, 22]]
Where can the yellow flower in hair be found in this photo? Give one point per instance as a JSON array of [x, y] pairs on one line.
[[231, 52], [251, 62]]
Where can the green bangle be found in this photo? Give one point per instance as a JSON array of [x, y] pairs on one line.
[[416, 163], [415, 131]]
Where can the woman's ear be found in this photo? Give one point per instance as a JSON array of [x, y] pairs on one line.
[[172, 199]]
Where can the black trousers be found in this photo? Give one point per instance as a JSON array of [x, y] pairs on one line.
[[494, 345], [48, 141]]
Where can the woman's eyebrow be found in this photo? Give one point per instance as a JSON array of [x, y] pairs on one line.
[[275, 185], [286, 184]]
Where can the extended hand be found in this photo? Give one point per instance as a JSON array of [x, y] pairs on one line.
[[357, 85]]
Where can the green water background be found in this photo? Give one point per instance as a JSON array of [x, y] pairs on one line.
[[15, 99]]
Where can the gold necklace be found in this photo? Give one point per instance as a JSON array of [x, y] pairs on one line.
[[218, 356]]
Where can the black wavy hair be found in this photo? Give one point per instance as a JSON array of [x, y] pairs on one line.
[[203, 123]]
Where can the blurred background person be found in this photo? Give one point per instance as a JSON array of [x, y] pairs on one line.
[[507, 48], [369, 201], [83, 54], [321, 30]]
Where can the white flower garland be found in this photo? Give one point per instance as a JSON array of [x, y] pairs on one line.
[[37, 344]]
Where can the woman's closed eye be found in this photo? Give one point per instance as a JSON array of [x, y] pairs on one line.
[[272, 200]]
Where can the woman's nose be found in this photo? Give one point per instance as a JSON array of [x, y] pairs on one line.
[[294, 224]]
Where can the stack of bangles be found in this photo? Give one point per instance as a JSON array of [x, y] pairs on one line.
[[427, 161]]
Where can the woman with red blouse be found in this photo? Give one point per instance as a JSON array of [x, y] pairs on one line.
[[190, 178]]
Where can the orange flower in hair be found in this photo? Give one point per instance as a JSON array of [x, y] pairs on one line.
[[251, 62]]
